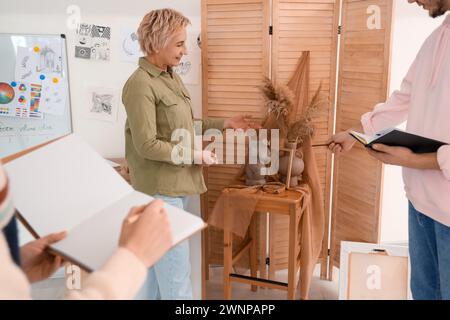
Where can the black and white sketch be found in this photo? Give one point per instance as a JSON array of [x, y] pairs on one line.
[[183, 68], [84, 29], [129, 49], [100, 50], [50, 59], [93, 42], [26, 65], [37, 62], [102, 103], [82, 52], [101, 32], [189, 67], [53, 97]]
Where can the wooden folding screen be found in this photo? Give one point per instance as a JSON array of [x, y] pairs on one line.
[[236, 55], [363, 81]]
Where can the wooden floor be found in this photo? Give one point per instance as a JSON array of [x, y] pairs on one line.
[[320, 290]]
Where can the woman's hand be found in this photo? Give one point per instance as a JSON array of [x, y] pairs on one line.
[[241, 122], [341, 142], [146, 232], [205, 158], [37, 263]]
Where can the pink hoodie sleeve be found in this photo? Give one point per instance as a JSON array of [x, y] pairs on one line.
[[444, 160], [394, 111], [120, 278]]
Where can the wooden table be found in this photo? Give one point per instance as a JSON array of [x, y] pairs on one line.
[[289, 203]]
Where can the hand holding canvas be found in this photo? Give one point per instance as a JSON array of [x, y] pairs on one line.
[[38, 263]]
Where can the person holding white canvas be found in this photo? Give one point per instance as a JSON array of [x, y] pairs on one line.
[[424, 102], [121, 276]]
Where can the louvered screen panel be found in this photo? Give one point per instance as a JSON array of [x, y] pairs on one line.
[[363, 82], [309, 25], [235, 44]]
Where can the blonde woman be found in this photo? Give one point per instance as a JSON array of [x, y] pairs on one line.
[[157, 103]]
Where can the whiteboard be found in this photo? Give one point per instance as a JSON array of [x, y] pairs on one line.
[[34, 91]]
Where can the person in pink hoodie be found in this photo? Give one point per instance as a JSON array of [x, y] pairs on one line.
[[424, 102]]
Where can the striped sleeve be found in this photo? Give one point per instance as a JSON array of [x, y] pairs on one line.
[[6, 204]]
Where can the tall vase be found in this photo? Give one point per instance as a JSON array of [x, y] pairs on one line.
[[298, 165]]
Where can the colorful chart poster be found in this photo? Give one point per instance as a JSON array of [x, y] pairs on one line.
[[20, 100]]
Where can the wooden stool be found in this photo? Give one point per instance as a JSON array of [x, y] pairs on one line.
[[289, 203]]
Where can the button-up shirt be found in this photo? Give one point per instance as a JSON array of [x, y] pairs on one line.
[[157, 103]]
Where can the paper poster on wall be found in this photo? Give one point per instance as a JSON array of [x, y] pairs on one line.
[[21, 108], [102, 104], [93, 42], [54, 96], [20, 100], [189, 67], [26, 65], [193, 42], [34, 63], [129, 50], [35, 100], [49, 58]]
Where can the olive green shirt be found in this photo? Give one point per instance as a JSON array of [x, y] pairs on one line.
[[157, 103]]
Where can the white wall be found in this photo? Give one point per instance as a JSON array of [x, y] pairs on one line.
[[412, 26], [50, 16]]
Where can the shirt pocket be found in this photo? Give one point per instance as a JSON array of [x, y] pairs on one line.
[[172, 111]]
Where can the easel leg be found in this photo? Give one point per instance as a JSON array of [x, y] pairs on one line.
[[263, 247], [271, 247], [206, 252], [292, 260], [205, 263], [330, 270], [227, 263], [253, 251], [324, 269]]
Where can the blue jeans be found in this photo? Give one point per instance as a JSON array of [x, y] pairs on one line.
[[170, 277], [429, 250]]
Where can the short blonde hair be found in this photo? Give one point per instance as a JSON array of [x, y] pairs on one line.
[[157, 27]]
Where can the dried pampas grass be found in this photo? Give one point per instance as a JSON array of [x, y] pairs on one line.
[[279, 103], [304, 127]]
